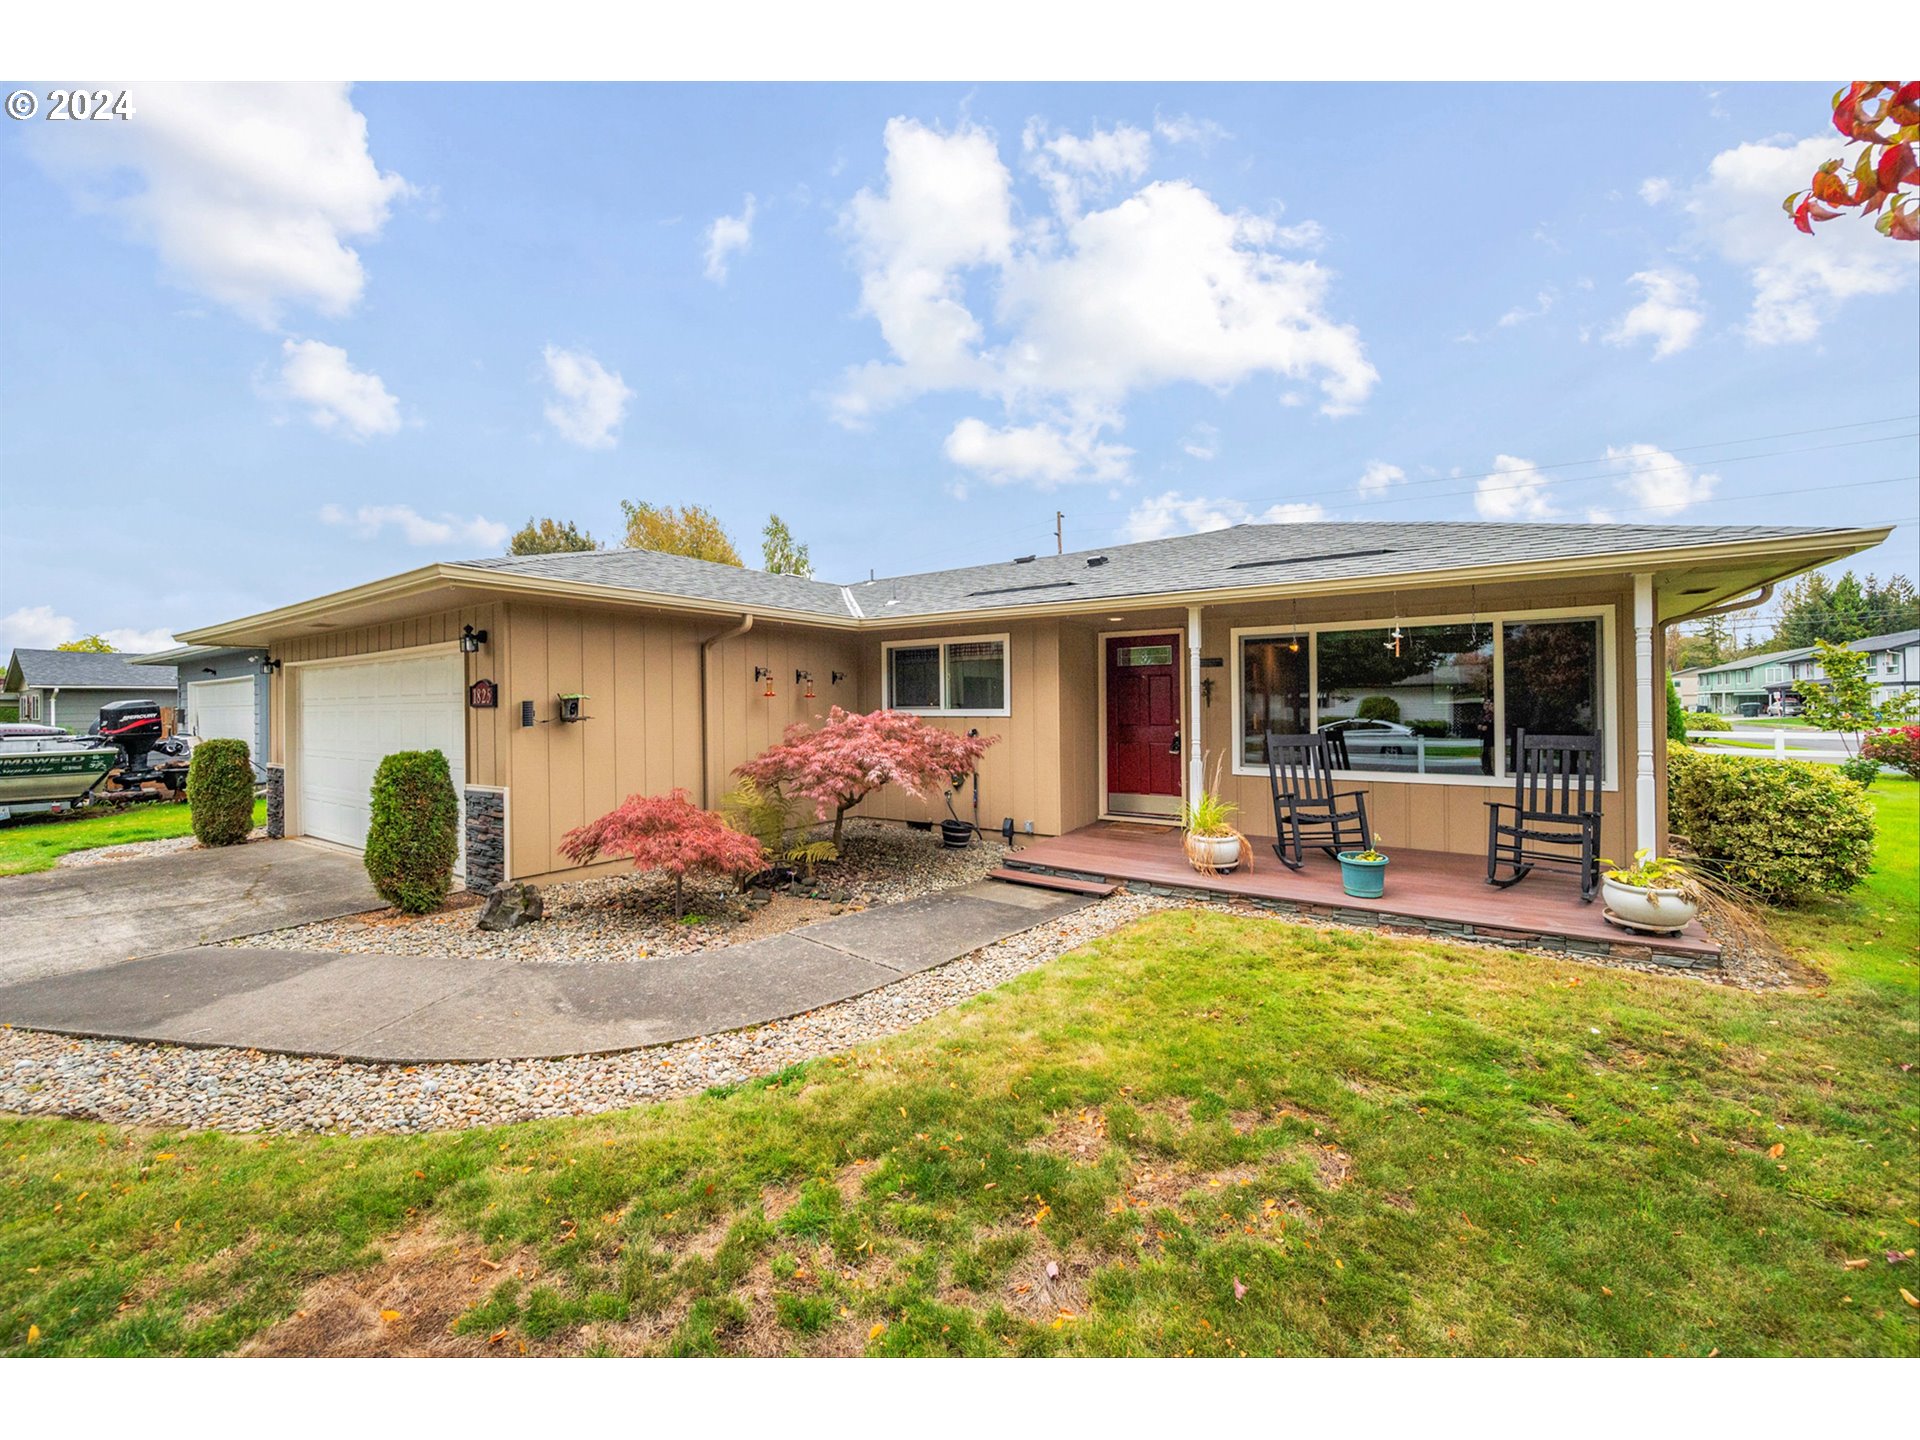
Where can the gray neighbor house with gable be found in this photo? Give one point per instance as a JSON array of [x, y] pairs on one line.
[[66, 688]]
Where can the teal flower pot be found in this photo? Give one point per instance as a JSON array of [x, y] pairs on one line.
[[1363, 879]]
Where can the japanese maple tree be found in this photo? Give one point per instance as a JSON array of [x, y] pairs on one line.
[[1884, 179], [666, 833], [852, 755]]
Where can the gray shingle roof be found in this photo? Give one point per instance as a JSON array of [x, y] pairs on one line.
[[1267, 555], [79, 669], [1249, 556]]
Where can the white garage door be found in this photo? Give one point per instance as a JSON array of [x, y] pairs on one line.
[[351, 717], [222, 709]]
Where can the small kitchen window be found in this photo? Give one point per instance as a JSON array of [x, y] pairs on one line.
[[966, 675]]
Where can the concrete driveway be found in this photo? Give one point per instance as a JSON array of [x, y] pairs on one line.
[[60, 921]]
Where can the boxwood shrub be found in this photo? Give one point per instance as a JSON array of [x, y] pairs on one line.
[[220, 792], [1785, 830], [414, 839]]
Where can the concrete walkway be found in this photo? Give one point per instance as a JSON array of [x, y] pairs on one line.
[[414, 1009], [59, 921]]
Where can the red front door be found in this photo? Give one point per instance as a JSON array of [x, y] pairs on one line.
[[1143, 725]]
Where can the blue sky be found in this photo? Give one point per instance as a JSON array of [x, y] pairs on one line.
[[267, 343]]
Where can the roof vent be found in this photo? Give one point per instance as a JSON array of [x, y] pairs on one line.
[[1307, 559], [1016, 589], [1093, 560], [1024, 559]]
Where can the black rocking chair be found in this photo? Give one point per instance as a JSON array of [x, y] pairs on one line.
[[1555, 810], [1307, 809]]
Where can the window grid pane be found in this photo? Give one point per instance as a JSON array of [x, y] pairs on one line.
[[976, 675], [1420, 705], [915, 681], [1273, 692], [1550, 678]]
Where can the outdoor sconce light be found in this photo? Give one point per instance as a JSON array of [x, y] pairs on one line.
[[269, 667], [1206, 691], [806, 677], [763, 672], [570, 707], [471, 640], [837, 676]]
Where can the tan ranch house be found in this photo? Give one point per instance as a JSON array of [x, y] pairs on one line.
[[1116, 679]]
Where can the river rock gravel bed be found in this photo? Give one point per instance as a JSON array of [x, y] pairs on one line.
[[615, 918], [133, 850], [246, 1091]]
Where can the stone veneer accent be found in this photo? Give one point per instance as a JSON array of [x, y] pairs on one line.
[[486, 838], [276, 802]]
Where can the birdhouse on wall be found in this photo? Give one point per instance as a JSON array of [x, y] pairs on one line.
[[570, 707]]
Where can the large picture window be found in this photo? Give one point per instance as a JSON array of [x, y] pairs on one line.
[[1438, 699], [1414, 699], [963, 676]]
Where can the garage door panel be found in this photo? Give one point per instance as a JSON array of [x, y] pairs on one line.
[[222, 709], [352, 716]]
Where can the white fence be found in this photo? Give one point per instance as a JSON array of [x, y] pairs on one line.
[[1742, 742]]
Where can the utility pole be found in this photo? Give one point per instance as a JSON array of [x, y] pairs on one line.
[[1059, 539]]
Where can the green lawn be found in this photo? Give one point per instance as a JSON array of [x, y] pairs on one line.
[[1230, 1136], [36, 844]]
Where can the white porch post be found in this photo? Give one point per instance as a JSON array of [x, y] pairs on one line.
[[1196, 755], [1646, 806]]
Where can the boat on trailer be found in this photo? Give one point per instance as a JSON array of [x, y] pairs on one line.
[[44, 770]]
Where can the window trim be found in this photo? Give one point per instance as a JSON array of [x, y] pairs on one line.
[[887, 647], [1498, 619]]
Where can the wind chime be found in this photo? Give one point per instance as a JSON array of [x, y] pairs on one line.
[[1293, 640], [1395, 635]]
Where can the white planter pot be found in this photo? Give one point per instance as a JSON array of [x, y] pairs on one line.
[[1667, 911], [1213, 853]]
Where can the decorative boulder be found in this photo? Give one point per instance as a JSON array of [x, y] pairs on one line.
[[511, 906]]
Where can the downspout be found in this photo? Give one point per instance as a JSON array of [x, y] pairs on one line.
[[1727, 607], [1646, 815], [706, 732], [1196, 754], [53, 705]]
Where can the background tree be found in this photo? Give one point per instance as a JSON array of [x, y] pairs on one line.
[[783, 557], [690, 530], [851, 756], [1884, 117], [1844, 700], [547, 536], [88, 644], [1815, 608]]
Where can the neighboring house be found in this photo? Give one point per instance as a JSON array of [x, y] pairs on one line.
[[222, 695], [1115, 680], [68, 687], [1893, 666], [1687, 682], [1745, 687]]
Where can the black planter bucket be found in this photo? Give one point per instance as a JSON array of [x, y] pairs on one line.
[[955, 834]]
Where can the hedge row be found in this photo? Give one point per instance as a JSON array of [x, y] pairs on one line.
[[1787, 831]]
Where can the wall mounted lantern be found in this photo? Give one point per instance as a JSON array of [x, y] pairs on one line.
[[837, 676], [764, 672], [471, 640], [269, 667], [805, 677]]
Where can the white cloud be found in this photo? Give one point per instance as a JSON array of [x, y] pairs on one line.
[[250, 194], [589, 401], [369, 521], [1187, 130], [337, 396], [1666, 313], [1520, 314], [726, 235], [1175, 514], [1379, 477], [1656, 189], [1797, 279], [40, 627], [1075, 169], [1516, 490], [1203, 441], [1042, 453], [1162, 287], [1658, 482]]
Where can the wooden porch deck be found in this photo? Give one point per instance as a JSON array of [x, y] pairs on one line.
[[1427, 891]]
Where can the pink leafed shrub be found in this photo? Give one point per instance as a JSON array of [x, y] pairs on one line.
[[668, 833], [1898, 747], [850, 756]]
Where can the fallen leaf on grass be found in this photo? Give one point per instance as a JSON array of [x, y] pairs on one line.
[[1860, 1264], [877, 1331], [389, 1315], [1774, 1152], [33, 1334], [1239, 1289], [1908, 1296]]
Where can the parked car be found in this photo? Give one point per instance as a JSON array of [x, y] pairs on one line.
[[1373, 737]]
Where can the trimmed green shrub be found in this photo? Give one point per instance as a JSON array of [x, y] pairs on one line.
[[1676, 713], [1708, 722], [220, 792], [1859, 769], [1784, 830], [1899, 747], [1432, 729], [1379, 707], [414, 839]]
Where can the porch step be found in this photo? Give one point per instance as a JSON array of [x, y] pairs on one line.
[[1041, 881]]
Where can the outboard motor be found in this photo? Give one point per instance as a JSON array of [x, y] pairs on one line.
[[133, 725]]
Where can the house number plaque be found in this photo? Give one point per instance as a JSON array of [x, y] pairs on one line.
[[483, 695]]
